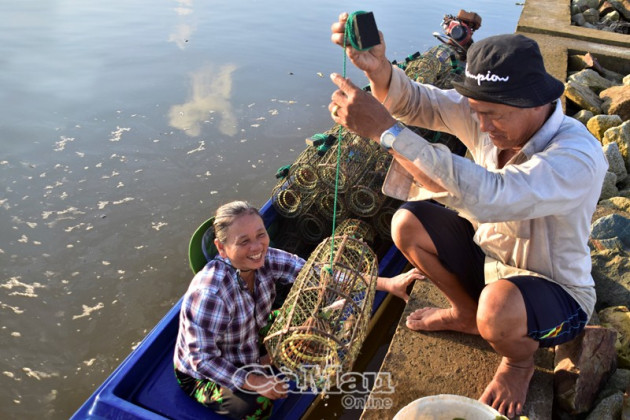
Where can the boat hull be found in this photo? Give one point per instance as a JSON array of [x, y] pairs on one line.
[[144, 385]]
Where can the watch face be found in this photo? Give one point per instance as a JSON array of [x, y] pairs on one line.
[[388, 139]]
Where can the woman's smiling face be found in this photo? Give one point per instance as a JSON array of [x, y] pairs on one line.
[[246, 244]]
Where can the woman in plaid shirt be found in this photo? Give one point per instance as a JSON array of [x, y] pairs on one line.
[[227, 303]]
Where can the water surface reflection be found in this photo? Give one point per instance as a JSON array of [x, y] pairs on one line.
[[211, 91]]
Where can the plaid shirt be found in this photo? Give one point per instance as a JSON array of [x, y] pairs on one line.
[[220, 318]]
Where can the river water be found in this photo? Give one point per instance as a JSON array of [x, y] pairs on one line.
[[125, 123]]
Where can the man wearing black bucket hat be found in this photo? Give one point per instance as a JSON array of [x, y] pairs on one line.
[[507, 244]]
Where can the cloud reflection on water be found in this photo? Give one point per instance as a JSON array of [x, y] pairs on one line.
[[183, 32], [211, 91]]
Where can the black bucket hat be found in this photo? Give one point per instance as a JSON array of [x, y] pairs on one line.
[[508, 69]]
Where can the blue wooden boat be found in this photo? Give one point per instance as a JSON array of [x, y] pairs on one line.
[[144, 385]]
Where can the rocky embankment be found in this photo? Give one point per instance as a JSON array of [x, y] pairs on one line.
[[592, 373], [606, 15]]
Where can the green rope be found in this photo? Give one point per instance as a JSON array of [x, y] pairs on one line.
[[348, 36]]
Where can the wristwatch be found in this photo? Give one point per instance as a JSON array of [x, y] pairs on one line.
[[389, 135]]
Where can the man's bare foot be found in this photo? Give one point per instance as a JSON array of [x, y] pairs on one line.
[[508, 389], [437, 319]]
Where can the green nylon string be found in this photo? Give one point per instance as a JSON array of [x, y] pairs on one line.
[[349, 32], [348, 36]]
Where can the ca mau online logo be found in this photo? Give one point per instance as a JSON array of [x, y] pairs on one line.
[[312, 379]]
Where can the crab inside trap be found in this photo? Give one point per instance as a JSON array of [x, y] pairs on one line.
[[323, 321]]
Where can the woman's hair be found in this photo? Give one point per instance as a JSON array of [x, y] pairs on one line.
[[227, 214]]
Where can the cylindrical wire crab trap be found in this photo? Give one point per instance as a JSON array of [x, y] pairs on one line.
[[294, 193], [312, 228], [323, 321], [289, 202], [438, 66], [325, 204], [383, 161], [357, 229], [423, 69], [355, 155], [304, 170], [364, 199], [382, 221]]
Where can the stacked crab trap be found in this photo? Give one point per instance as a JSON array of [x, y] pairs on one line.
[[323, 322]]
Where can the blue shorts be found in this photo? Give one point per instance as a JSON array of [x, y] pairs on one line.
[[553, 316]]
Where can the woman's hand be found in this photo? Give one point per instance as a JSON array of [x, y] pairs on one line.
[[397, 285], [266, 385]]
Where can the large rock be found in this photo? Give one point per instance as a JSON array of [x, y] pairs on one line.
[[613, 76], [622, 6], [609, 186], [583, 97], [618, 382], [583, 116], [606, 7], [611, 206], [621, 136], [611, 17], [611, 272], [618, 318], [600, 123], [616, 164], [609, 409], [612, 226], [582, 367], [588, 61], [617, 203], [616, 100], [582, 5], [591, 79], [578, 19], [591, 16]]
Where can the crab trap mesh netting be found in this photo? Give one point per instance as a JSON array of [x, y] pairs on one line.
[[323, 321], [439, 66], [355, 168], [304, 195]]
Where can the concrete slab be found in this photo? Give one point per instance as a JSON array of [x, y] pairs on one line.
[[555, 51], [420, 364], [554, 18], [548, 23]]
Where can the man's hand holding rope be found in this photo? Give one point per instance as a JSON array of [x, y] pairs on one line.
[[357, 110]]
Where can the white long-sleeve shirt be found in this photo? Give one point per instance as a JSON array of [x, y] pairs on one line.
[[533, 216]]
